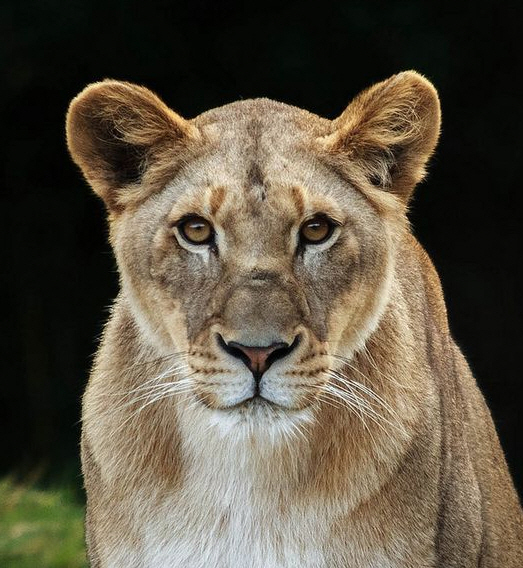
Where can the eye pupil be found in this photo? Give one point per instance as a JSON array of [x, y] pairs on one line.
[[316, 230], [196, 230]]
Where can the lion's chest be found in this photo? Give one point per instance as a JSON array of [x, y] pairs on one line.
[[196, 531], [232, 511], [242, 534], [233, 550], [258, 541]]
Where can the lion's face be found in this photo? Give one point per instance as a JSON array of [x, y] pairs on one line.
[[255, 243], [261, 264]]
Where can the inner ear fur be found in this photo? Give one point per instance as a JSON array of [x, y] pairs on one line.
[[119, 134], [388, 132]]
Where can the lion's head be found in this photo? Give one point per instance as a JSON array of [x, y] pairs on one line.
[[256, 240]]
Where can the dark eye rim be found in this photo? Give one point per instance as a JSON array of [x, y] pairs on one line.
[[332, 226], [179, 226]]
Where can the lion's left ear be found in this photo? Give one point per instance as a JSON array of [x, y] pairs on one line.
[[125, 139], [388, 133]]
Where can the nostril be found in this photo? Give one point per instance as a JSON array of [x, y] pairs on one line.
[[282, 350], [258, 359]]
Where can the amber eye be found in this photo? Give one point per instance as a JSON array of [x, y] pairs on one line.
[[196, 230], [316, 230]]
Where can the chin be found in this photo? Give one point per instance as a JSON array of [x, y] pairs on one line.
[[262, 419]]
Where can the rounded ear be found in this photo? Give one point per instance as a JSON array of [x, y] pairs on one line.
[[117, 133], [388, 132]]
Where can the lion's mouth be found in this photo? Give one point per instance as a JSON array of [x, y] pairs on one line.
[[254, 402]]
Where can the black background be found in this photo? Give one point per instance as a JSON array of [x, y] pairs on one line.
[[58, 274]]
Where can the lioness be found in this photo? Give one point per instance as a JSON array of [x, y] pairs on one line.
[[277, 385]]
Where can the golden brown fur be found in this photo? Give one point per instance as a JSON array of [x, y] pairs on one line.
[[369, 443]]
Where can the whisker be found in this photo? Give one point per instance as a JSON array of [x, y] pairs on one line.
[[373, 364], [367, 390], [339, 399], [148, 383], [293, 431], [169, 392], [167, 373], [369, 409], [165, 393], [177, 386], [151, 390], [157, 360], [361, 415], [386, 376], [366, 406], [350, 392], [344, 397]]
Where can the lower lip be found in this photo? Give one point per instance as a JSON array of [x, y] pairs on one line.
[[254, 402]]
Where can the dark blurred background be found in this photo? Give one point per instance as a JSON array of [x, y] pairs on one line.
[[58, 275]]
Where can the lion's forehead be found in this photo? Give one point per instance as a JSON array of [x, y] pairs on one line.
[[260, 164], [276, 188], [257, 141]]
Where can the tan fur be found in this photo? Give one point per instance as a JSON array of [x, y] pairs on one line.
[[372, 445]]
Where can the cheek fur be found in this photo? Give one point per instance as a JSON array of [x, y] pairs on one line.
[[186, 277], [343, 281]]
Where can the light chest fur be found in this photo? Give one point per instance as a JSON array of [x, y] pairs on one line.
[[228, 518]]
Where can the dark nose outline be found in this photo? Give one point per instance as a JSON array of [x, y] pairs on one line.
[[258, 359]]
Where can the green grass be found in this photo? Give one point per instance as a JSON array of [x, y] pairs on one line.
[[40, 528]]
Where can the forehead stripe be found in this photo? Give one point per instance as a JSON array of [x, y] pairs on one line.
[[299, 200], [217, 199]]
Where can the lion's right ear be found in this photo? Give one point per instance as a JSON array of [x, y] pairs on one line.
[[118, 134], [388, 132]]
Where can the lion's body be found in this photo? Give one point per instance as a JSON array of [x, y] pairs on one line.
[[399, 467]]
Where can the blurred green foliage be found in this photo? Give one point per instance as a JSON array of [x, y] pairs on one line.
[[40, 528]]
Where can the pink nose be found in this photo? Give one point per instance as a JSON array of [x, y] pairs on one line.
[[257, 359], [257, 356]]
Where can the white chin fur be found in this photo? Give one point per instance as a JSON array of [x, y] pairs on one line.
[[256, 421]]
